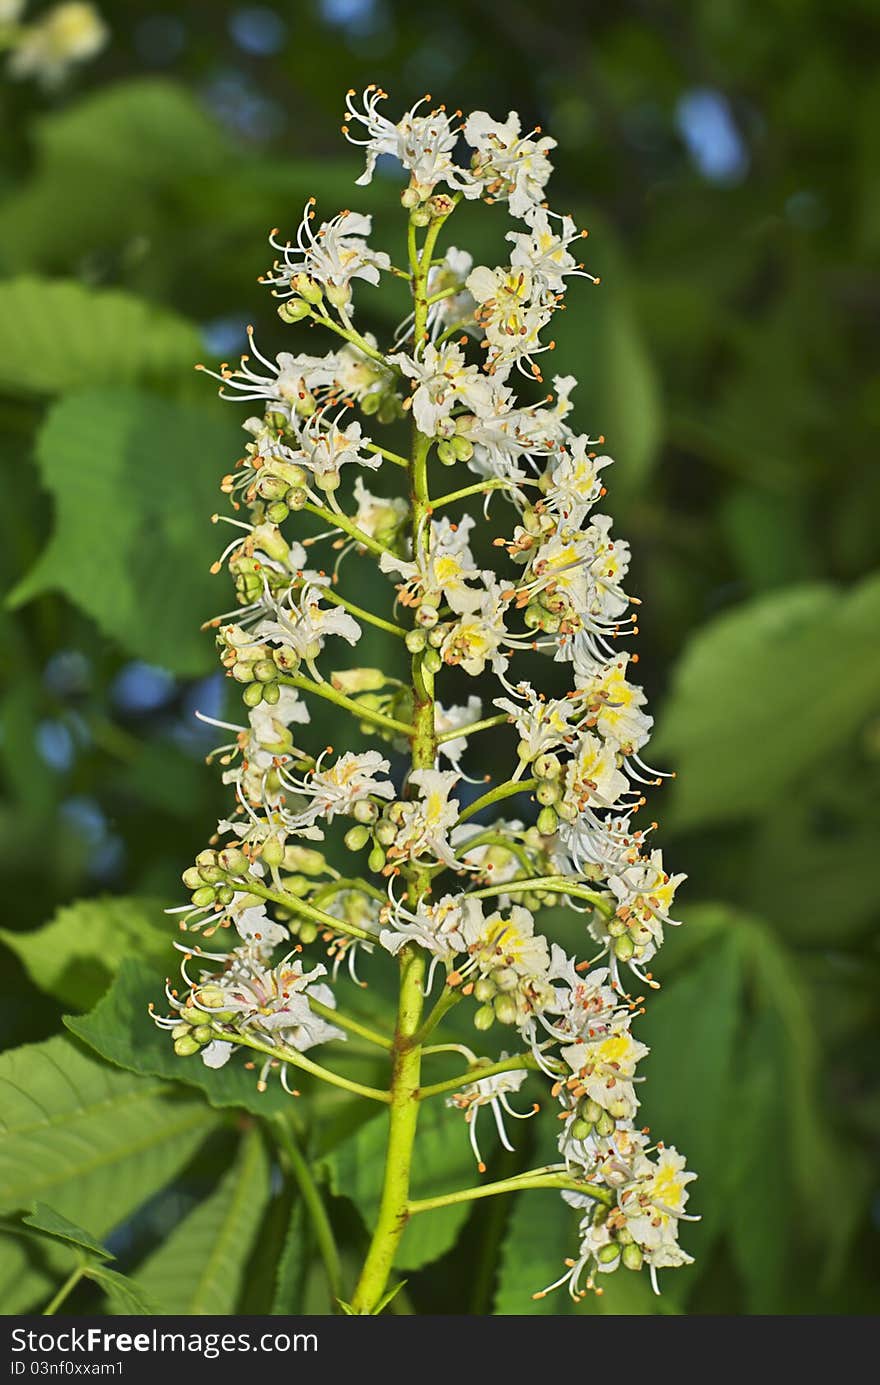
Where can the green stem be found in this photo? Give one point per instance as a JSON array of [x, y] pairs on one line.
[[519, 1183], [349, 704], [353, 1026], [553, 884], [384, 452], [445, 1002], [67, 1287], [406, 1070], [327, 594], [314, 1205], [513, 786], [298, 906], [299, 1060], [483, 725], [523, 1061], [482, 488], [338, 520]]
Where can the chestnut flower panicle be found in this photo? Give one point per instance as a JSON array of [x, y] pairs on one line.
[[405, 849]]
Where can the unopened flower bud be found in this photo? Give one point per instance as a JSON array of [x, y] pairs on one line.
[[607, 1254], [253, 695], [357, 837], [632, 1257], [186, 1046], [273, 852], [547, 822], [203, 897], [293, 310], [505, 1009], [416, 640], [484, 1018], [233, 861]]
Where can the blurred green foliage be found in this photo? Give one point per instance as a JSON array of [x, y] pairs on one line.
[[725, 157]]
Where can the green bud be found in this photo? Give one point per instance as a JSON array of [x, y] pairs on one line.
[[505, 1009], [265, 671], [203, 897], [625, 1236], [376, 859], [371, 404], [485, 989], [338, 294], [273, 852], [463, 447], [484, 1018], [253, 695], [437, 636], [410, 198], [277, 512], [590, 1110], [225, 895], [606, 1254], [357, 837], [385, 832], [420, 216], [203, 1033], [547, 766], [605, 1125], [548, 792], [446, 453], [624, 947], [233, 861], [581, 1129], [298, 885], [547, 822], [328, 481], [210, 997], [426, 616], [242, 672], [271, 693], [620, 1109], [296, 498], [415, 641], [179, 1031], [307, 288], [192, 878], [633, 1257], [294, 310], [616, 927], [505, 978], [432, 660], [185, 1047], [308, 932]]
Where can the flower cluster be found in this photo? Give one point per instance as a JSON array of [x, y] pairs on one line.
[[422, 868], [50, 46]]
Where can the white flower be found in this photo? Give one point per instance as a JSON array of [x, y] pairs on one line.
[[326, 448], [442, 568], [425, 824], [507, 165], [592, 778], [615, 705], [493, 1092], [511, 311], [450, 719], [457, 309], [605, 1066], [422, 143], [574, 484], [655, 1201], [333, 256], [478, 637], [216, 1054], [335, 790], [302, 628], [68, 34], [435, 927], [543, 249], [543, 724], [444, 380]]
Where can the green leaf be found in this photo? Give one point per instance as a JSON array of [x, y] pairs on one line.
[[200, 1267], [52, 1223], [756, 700], [443, 1164], [57, 336], [108, 172], [120, 1029], [75, 956], [124, 1294], [138, 475], [93, 1140], [291, 1273]]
